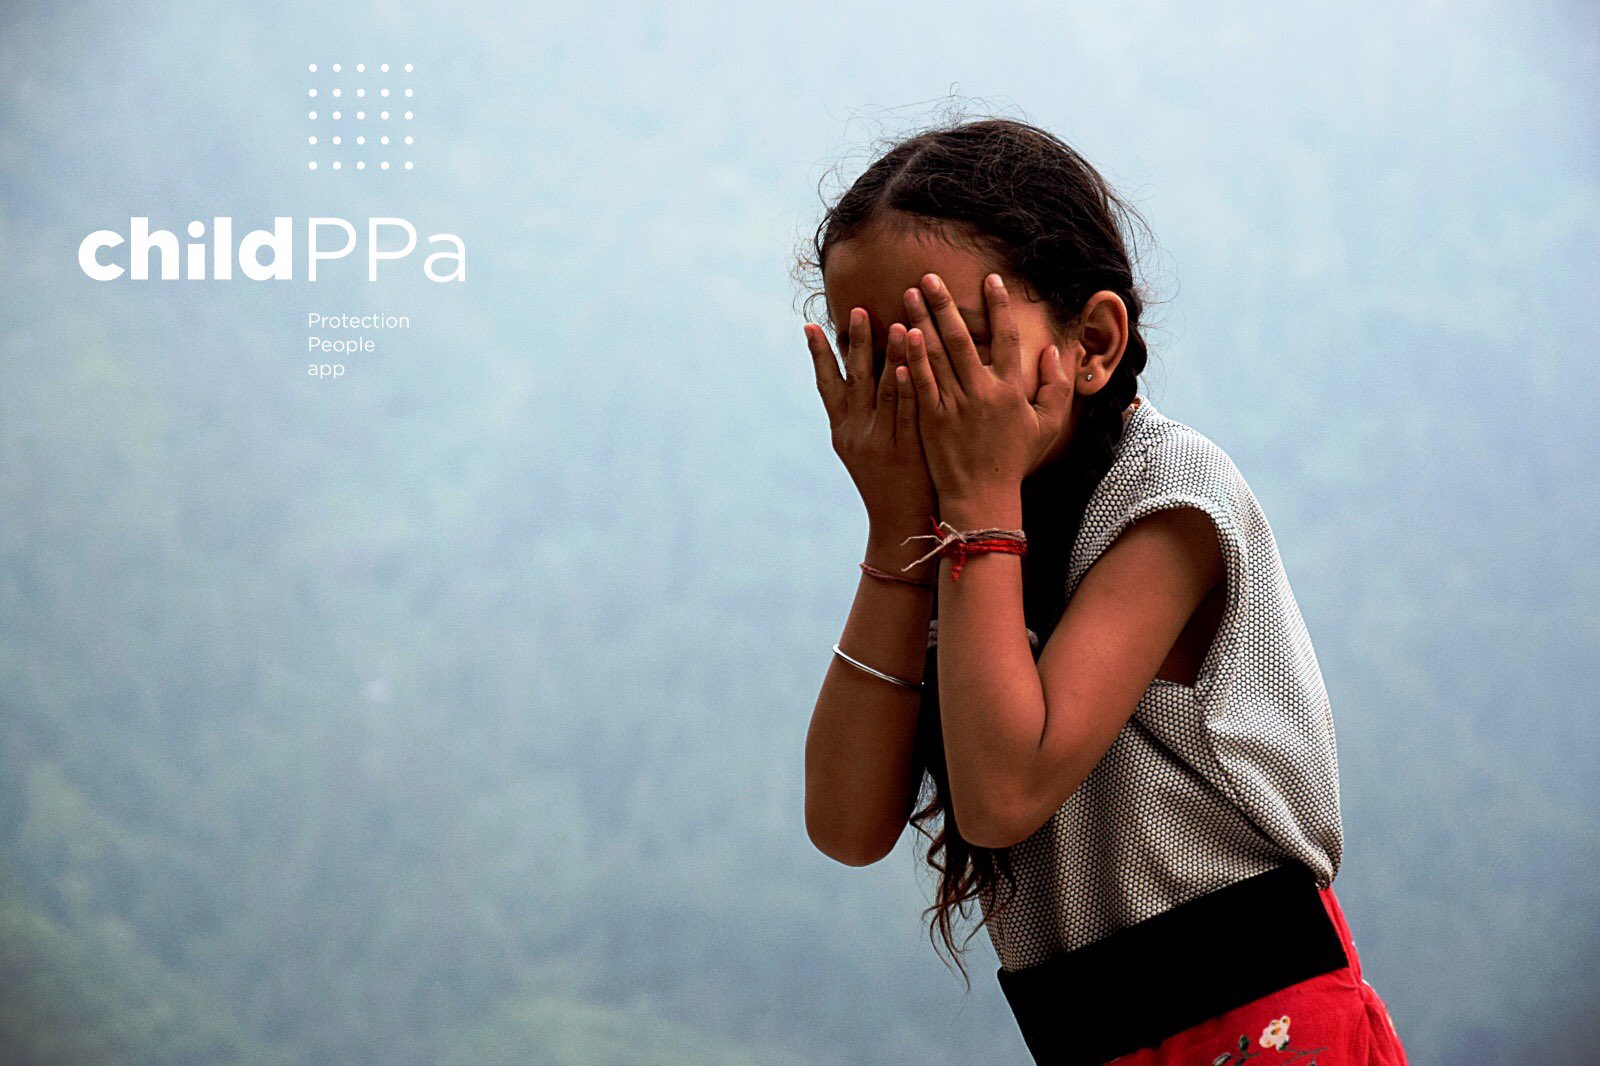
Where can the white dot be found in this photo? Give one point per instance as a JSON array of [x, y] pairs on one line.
[[313, 164], [361, 68], [196, 228], [361, 165], [384, 164], [383, 140], [383, 115], [313, 114], [408, 92], [408, 164], [408, 68], [338, 140], [361, 140], [336, 92], [336, 68], [384, 68], [336, 114], [408, 115], [361, 114], [408, 140], [361, 92], [383, 92], [313, 92], [336, 164], [313, 139], [312, 68]]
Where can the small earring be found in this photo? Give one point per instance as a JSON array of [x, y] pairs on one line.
[[1088, 377]]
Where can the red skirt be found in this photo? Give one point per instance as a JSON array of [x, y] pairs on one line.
[[1333, 1019], [1262, 971]]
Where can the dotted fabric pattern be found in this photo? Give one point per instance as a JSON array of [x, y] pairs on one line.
[[1206, 784]]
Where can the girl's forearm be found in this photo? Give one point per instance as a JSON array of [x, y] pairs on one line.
[[991, 701], [861, 775]]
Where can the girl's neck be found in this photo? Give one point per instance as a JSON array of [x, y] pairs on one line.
[[1045, 488], [1047, 481]]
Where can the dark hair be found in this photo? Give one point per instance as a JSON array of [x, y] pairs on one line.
[[1025, 198]]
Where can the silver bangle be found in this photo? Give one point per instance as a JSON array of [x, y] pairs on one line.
[[858, 664]]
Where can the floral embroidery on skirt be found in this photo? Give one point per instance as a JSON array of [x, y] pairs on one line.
[[1274, 1036]]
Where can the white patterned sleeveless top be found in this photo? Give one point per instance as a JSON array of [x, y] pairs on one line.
[[1206, 784]]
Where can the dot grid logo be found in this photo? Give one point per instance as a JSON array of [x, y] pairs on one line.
[[360, 119]]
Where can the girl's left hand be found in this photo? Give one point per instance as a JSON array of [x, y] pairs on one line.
[[981, 432]]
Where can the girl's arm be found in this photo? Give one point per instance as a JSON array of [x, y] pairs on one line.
[[1019, 740], [861, 776]]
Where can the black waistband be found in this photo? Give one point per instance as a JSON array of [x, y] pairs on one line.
[[1143, 983]]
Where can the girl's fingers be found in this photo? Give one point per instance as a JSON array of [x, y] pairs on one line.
[[829, 383], [905, 420], [922, 375], [1006, 346], [917, 315], [858, 361], [896, 348], [887, 398], [953, 336]]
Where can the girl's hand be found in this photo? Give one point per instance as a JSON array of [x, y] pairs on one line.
[[875, 425], [982, 433]]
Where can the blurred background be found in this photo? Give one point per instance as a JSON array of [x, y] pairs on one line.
[[453, 711]]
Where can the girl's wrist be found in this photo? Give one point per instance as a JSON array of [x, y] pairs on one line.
[[888, 549], [984, 509], [901, 523]]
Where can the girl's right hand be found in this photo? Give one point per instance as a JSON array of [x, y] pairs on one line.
[[874, 425]]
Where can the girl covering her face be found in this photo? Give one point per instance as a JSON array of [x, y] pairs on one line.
[[1073, 640]]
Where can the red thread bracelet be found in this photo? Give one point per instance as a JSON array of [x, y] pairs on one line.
[[963, 544], [964, 550]]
